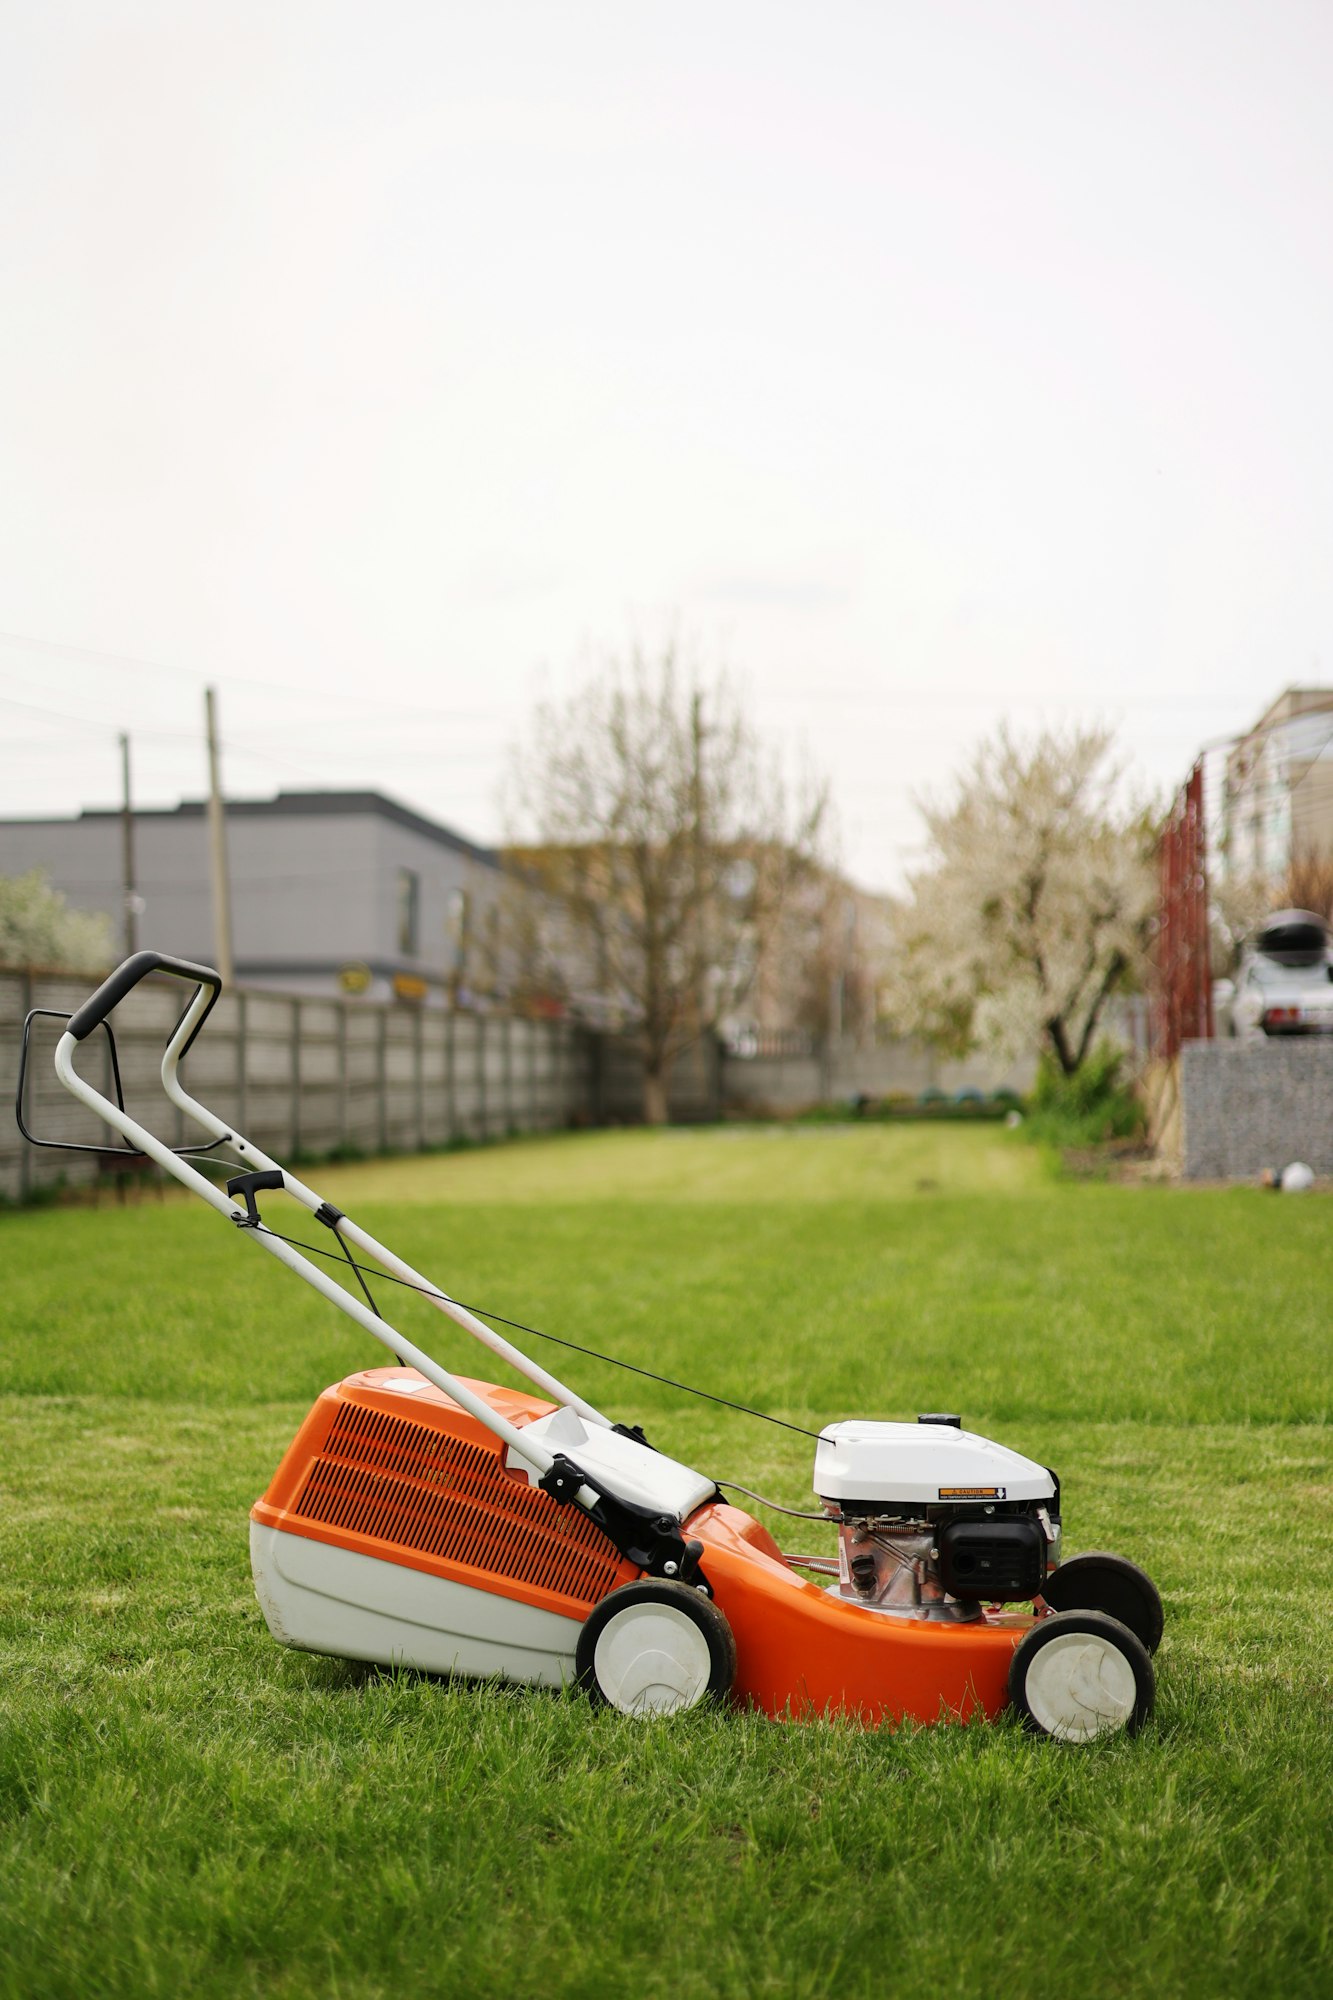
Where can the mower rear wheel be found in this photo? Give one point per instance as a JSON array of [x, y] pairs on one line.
[[654, 1648], [1099, 1581], [1080, 1674]]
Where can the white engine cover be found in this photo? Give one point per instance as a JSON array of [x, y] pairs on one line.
[[922, 1465]]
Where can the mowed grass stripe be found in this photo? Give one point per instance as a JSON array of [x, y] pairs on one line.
[[736, 1163]]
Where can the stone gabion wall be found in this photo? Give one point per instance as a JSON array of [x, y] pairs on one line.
[[1250, 1105]]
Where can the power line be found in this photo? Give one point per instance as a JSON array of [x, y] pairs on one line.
[[97, 656], [98, 729]]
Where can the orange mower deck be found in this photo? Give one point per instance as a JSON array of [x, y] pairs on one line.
[[389, 1467]]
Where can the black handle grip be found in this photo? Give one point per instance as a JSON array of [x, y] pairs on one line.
[[126, 977]]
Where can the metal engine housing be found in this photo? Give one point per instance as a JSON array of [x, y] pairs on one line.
[[935, 1521]]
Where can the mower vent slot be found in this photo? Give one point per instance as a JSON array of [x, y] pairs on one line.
[[386, 1479]]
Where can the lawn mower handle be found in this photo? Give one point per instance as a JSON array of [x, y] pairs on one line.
[[127, 976], [208, 986]]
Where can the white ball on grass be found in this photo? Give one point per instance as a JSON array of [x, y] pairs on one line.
[[1297, 1178]]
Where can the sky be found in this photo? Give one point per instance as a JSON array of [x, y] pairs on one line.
[[388, 367]]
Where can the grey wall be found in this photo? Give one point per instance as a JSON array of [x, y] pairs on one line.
[[82, 857], [841, 1070], [1250, 1105]]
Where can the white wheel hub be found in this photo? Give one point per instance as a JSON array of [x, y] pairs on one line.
[[1080, 1685], [651, 1659]]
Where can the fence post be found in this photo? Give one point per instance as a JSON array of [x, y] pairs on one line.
[[25, 1150], [506, 1052], [382, 1078], [296, 1078], [242, 1065], [483, 1128], [534, 1108], [342, 1074], [178, 1126], [419, 1073], [450, 1091], [439, 1018]]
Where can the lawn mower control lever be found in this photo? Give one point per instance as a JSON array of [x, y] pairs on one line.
[[248, 1186], [653, 1542]]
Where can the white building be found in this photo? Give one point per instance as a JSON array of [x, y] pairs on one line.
[[1277, 795]]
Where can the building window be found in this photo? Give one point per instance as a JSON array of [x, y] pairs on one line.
[[409, 911]]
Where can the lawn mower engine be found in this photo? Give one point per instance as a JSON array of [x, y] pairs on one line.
[[934, 1521]]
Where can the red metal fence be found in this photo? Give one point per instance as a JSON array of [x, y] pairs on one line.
[[1184, 988]]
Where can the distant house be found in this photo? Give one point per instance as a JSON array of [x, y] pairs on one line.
[[330, 891], [811, 968], [821, 971], [1277, 795]]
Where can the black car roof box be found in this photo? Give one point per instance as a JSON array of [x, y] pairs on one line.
[[1293, 937]]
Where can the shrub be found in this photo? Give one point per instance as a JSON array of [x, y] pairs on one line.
[[1094, 1105]]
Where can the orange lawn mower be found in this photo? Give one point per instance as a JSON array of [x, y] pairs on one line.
[[428, 1520]]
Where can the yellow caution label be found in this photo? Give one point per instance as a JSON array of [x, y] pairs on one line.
[[971, 1493]]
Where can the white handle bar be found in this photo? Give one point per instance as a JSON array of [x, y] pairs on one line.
[[531, 1450]]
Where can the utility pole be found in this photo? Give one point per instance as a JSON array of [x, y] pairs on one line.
[[217, 831], [129, 887], [704, 929], [697, 842]]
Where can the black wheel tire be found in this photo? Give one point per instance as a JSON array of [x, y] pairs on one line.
[[1099, 1581], [1079, 1691], [671, 1671]]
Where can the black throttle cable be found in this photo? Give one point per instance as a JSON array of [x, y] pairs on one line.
[[484, 1312]]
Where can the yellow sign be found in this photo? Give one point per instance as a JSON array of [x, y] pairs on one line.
[[407, 986], [355, 978]]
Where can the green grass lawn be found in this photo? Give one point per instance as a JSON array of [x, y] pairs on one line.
[[187, 1808]]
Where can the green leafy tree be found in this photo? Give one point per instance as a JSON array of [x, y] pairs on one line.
[[38, 927]]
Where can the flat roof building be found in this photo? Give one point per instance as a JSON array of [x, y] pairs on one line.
[[326, 888]]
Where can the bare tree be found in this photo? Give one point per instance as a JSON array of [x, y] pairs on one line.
[[1034, 906], [1238, 904], [1308, 883], [663, 846]]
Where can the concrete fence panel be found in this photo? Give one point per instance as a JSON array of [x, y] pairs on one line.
[[297, 1075]]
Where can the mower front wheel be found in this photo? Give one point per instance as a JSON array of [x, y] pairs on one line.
[[1080, 1674], [654, 1648]]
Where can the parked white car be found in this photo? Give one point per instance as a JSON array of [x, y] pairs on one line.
[[1285, 982]]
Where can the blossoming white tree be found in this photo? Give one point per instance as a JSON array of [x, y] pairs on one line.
[[1035, 903]]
